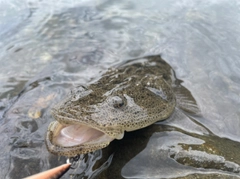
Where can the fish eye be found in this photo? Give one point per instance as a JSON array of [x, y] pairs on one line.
[[117, 101]]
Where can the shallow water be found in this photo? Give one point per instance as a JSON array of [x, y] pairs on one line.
[[49, 46]]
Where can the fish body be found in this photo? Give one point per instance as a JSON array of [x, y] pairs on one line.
[[127, 97]]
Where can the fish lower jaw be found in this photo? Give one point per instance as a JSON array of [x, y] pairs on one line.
[[76, 135]]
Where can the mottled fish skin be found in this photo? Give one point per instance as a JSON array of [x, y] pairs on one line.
[[128, 97]]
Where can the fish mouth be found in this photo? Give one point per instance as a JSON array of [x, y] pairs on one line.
[[75, 139]]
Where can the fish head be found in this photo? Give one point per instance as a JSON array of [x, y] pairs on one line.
[[90, 117]]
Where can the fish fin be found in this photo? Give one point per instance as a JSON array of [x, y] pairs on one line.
[[185, 100]]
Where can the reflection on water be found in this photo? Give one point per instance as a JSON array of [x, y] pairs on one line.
[[181, 155], [49, 46]]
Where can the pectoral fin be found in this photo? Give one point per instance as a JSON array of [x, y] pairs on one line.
[[185, 100]]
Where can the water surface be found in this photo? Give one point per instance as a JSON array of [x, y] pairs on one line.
[[49, 46]]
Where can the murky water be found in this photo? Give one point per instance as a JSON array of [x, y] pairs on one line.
[[49, 46]]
